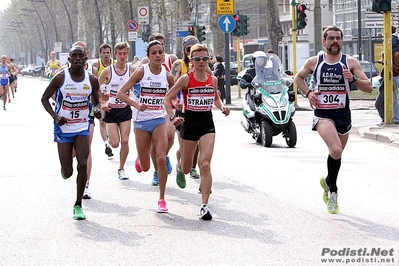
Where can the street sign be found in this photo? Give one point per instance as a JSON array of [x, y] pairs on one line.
[[132, 36], [224, 7], [143, 15], [132, 25], [182, 28], [181, 33], [226, 23], [185, 23], [58, 47], [374, 24]]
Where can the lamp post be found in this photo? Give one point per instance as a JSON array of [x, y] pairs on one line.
[[51, 15], [38, 30], [44, 29], [69, 19], [99, 22]]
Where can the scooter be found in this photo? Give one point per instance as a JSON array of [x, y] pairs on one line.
[[268, 106]]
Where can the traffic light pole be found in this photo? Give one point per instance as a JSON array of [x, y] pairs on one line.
[[227, 68], [388, 92], [294, 28]]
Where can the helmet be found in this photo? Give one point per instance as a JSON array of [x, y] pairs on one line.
[[257, 54]]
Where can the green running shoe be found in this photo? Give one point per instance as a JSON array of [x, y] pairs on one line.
[[332, 204], [180, 177], [78, 213], [194, 174], [326, 189]]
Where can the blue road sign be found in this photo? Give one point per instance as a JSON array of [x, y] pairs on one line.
[[181, 33], [226, 23]]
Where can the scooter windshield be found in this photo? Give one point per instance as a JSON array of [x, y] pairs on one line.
[[267, 68]]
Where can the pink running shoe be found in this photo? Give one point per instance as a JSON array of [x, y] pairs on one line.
[[137, 165], [162, 206]]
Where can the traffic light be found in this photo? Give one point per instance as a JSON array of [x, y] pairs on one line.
[[191, 30], [237, 32], [381, 6], [201, 33], [145, 35], [244, 20], [300, 17]]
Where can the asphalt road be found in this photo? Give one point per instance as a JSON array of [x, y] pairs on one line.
[[266, 202]]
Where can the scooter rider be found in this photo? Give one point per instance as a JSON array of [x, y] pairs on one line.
[[246, 80]]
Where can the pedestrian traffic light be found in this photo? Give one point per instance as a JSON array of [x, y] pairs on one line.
[[244, 20], [191, 30], [145, 35], [301, 16], [381, 6], [237, 32], [201, 33]]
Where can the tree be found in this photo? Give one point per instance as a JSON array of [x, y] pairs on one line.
[[274, 31]]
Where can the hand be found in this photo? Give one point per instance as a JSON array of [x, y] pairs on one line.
[[313, 99], [177, 121], [142, 107], [347, 74], [105, 107], [225, 110], [97, 114], [60, 120]]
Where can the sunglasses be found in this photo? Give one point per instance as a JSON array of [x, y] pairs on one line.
[[197, 58], [332, 38]]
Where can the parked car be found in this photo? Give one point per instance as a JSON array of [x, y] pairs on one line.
[[233, 73], [369, 69], [31, 71]]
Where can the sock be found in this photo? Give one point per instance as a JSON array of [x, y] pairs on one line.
[[333, 169], [78, 204], [106, 143]]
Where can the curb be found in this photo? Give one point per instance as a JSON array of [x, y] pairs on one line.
[[374, 133]]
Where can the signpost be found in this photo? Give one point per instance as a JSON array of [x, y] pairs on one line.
[[224, 7], [132, 36], [182, 28], [132, 25], [143, 15]]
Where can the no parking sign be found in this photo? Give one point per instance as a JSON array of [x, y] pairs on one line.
[[132, 25]]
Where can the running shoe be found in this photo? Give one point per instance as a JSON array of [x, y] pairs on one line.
[[108, 151], [78, 213], [137, 165], [194, 174], [180, 177], [205, 214], [162, 206], [326, 189], [4, 107], [168, 165], [332, 204], [122, 175], [86, 193], [155, 181]]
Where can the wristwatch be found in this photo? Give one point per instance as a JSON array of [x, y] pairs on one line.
[[354, 78], [171, 117]]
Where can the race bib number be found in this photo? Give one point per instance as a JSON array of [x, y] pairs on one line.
[[331, 96], [115, 102], [153, 97], [200, 99]]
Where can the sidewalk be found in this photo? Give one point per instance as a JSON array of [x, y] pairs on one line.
[[388, 133]]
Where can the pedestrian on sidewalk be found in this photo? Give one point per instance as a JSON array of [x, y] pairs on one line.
[[332, 71], [73, 88]]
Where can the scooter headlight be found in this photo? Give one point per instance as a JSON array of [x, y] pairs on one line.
[[270, 101], [284, 100]]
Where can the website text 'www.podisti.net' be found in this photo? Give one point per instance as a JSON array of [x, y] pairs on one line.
[[371, 256]]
